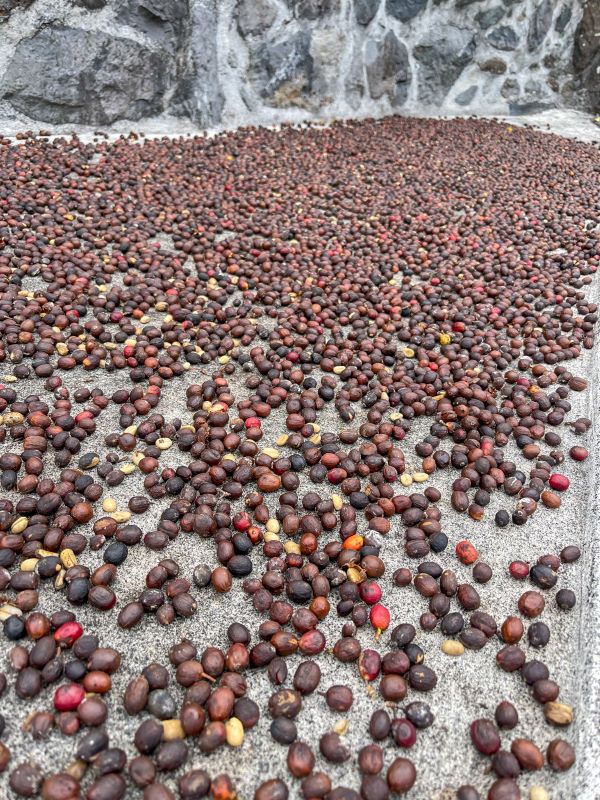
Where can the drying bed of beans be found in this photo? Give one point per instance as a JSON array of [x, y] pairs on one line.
[[306, 370]]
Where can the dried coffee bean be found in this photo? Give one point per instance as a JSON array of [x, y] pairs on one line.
[[560, 755], [485, 736]]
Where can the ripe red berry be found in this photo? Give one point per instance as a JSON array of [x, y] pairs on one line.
[[579, 453], [68, 633], [68, 697], [466, 553], [369, 664], [370, 592], [560, 483], [380, 617], [519, 570], [241, 522], [404, 732]]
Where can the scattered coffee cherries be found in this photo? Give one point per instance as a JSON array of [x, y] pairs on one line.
[[271, 342]]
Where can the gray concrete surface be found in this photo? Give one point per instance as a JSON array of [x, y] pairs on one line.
[[468, 687], [564, 122]]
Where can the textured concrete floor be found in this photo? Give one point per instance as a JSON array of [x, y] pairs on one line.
[[468, 687]]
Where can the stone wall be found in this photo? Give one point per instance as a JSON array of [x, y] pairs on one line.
[[228, 62], [586, 54]]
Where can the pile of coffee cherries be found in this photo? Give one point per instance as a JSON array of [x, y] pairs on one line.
[[286, 340]]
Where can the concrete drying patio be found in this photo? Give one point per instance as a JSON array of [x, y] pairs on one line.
[[468, 687]]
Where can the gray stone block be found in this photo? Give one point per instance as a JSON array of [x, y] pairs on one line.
[[365, 10], [282, 71], [586, 53], [166, 22], [464, 98], [404, 9], [313, 9], [388, 70], [442, 58], [65, 75], [485, 19], [254, 16], [539, 25], [503, 38]]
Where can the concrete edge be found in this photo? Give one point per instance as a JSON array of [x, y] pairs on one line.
[[569, 123], [586, 778]]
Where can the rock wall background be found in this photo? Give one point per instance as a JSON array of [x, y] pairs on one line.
[[230, 62]]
